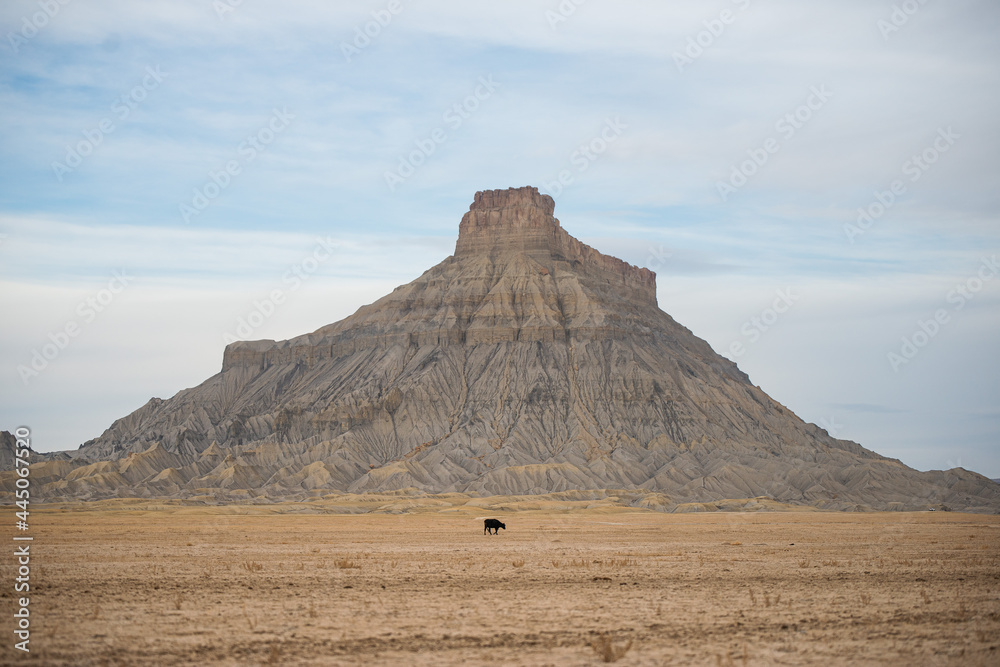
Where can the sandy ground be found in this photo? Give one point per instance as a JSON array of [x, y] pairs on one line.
[[122, 584]]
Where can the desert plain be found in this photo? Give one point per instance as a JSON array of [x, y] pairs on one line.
[[370, 580]]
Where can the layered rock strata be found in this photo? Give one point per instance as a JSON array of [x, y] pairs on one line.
[[525, 363]]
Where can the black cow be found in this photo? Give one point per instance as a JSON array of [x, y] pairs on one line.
[[494, 525]]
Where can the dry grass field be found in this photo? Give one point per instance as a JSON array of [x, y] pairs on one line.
[[141, 583]]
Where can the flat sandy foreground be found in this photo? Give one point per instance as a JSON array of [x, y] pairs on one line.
[[141, 583]]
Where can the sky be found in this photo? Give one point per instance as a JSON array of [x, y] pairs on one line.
[[816, 186]]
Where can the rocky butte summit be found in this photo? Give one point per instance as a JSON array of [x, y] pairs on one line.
[[525, 363]]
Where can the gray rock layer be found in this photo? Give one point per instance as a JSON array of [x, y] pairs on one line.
[[526, 363]]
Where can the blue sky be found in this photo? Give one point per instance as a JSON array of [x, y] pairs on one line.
[[808, 111]]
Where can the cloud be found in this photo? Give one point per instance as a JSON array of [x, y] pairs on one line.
[[43, 250], [866, 407]]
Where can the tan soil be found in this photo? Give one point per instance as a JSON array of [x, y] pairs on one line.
[[118, 583]]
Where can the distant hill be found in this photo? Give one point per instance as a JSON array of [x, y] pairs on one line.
[[526, 363]]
